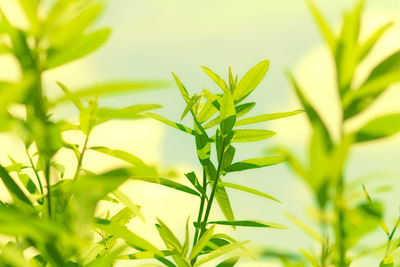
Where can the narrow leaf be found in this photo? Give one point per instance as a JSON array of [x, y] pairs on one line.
[[250, 81], [248, 190], [251, 135]]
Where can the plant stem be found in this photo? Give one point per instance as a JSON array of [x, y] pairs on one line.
[[214, 189], [339, 202], [47, 177], [201, 208], [35, 171], [78, 167]]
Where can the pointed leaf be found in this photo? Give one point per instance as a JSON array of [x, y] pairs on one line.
[[250, 81], [251, 135], [267, 117], [250, 223], [248, 190], [120, 155], [378, 128], [167, 183], [83, 46], [323, 27], [170, 123], [255, 163], [220, 251], [218, 80], [227, 113], [196, 250]]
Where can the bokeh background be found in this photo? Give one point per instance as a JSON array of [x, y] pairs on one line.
[[152, 38]]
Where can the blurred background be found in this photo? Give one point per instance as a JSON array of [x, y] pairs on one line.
[[152, 38]]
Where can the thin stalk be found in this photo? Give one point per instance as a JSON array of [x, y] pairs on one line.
[[214, 189], [35, 171], [201, 208], [340, 231], [47, 177], [79, 165], [325, 243]]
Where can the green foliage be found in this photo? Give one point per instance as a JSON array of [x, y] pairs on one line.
[[51, 215], [342, 221], [220, 111]]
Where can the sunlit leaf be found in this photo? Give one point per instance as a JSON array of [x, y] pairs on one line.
[[227, 113], [367, 46], [324, 27], [196, 250], [250, 81], [167, 183], [378, 128], [83, 46], [170, 123], [113, 88], [71, 30], [128, 157], [248, 190], [220, 251], [267, 117], [251, 135], [215, 77]]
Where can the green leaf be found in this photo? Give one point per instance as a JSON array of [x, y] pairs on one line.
[[232, 81], [195, 182], [208, 109], [255, 163], [182, 89], [378, 128], [312, 114], [12, 187], [250, 81], [30, 9], [346, 53], [170, 123], [267, 117], [227, 113], [219, 252], [127, 113], [28, 183], [71, 30], [167, 183], [323, 27], [248, 190], [144, 255], [250, 223], [241, 110], [83, 46], [229, 262], [218, 80], [197, 249], [367, 46], [220, 195], [185, 247], [113, 88], [71, 96], [387, 262], [251, 135], [129, 237], [135, 209], [120, 155], [381, 77], [307, 229], [193, 100], [170, 240]]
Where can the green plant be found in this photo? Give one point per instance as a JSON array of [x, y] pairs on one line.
[[53, 215], [220, 111], [343, 220]]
